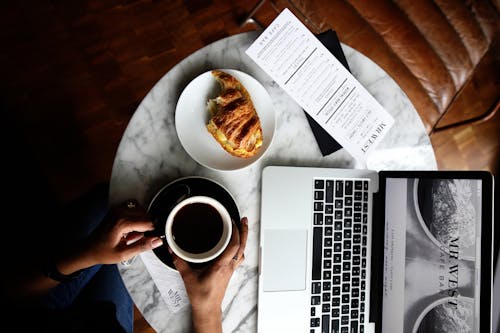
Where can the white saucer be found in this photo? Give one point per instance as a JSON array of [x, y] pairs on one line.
[[191, 117]]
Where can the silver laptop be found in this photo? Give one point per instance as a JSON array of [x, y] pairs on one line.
[[345, 250]]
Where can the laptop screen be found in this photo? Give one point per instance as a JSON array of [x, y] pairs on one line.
[[433, 253]]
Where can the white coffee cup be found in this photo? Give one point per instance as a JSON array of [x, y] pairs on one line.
[[198, 229]]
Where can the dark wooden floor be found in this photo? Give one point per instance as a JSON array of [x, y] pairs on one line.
[[73, 73]]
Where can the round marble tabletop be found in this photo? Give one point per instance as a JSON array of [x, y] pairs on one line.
[[150, 156]]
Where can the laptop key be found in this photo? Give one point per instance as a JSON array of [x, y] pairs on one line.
[[319, 195], [335, 325], [318, 206], [337, 247], [336, 301], [358, 195], [318, 219], [357, 217], [344, 320], [354, 326], [315, 300], [335, 312], [315, 322], [316, 287], [325, 324], [319, 184], [329, 191], [348, 187], [337, 258], [317, 253], [354, 303], [339, 188], [346, 265]]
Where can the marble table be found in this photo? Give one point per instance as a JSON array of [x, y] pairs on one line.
[[150, 156]]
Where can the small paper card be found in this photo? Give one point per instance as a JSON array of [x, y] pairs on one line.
[[303, 67], [169, 283]]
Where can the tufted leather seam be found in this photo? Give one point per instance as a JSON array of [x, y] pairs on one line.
[[435, 28], [455, 97], [461, 19], [438, 92]]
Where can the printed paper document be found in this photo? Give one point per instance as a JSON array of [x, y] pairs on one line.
[[294, 58]]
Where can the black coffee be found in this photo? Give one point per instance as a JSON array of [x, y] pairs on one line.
[[197, 227]]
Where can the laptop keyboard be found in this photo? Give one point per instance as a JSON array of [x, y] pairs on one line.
[[339, 270]]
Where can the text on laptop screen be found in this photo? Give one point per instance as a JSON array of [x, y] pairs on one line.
[[432, 255]]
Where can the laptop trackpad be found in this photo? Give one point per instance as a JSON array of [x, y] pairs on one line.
[[284, 260]]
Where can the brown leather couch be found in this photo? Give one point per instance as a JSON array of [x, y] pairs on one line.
[[445, 54]]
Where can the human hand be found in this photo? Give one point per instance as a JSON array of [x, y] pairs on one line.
[[206, 287], [121, 236]]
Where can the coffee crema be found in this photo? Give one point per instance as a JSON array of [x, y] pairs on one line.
[[197, 227]]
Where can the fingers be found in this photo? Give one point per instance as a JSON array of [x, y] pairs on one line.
[[133, 237], [240, 255], [232, 247], [141, 245], [234, 253], [127, 226]]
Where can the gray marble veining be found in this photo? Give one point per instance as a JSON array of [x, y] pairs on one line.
[[150, 155]]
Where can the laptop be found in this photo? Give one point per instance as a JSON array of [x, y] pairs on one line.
[[347, 250]]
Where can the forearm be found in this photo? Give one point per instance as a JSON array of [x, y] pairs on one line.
[[74, 260], [31, 281]]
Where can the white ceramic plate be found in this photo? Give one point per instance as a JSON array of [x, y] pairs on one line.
[[191, 117]]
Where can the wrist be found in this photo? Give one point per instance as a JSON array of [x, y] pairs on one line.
[[207, 320], [73, 261], [52, 271]]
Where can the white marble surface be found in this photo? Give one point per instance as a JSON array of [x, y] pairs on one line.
[[150, 156]]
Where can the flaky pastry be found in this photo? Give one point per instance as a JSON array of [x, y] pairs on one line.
[[234, 122]]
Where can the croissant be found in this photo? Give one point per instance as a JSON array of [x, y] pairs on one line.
[[234, 122]]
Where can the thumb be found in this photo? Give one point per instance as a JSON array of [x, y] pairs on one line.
[[145, 244], [180, 264]]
